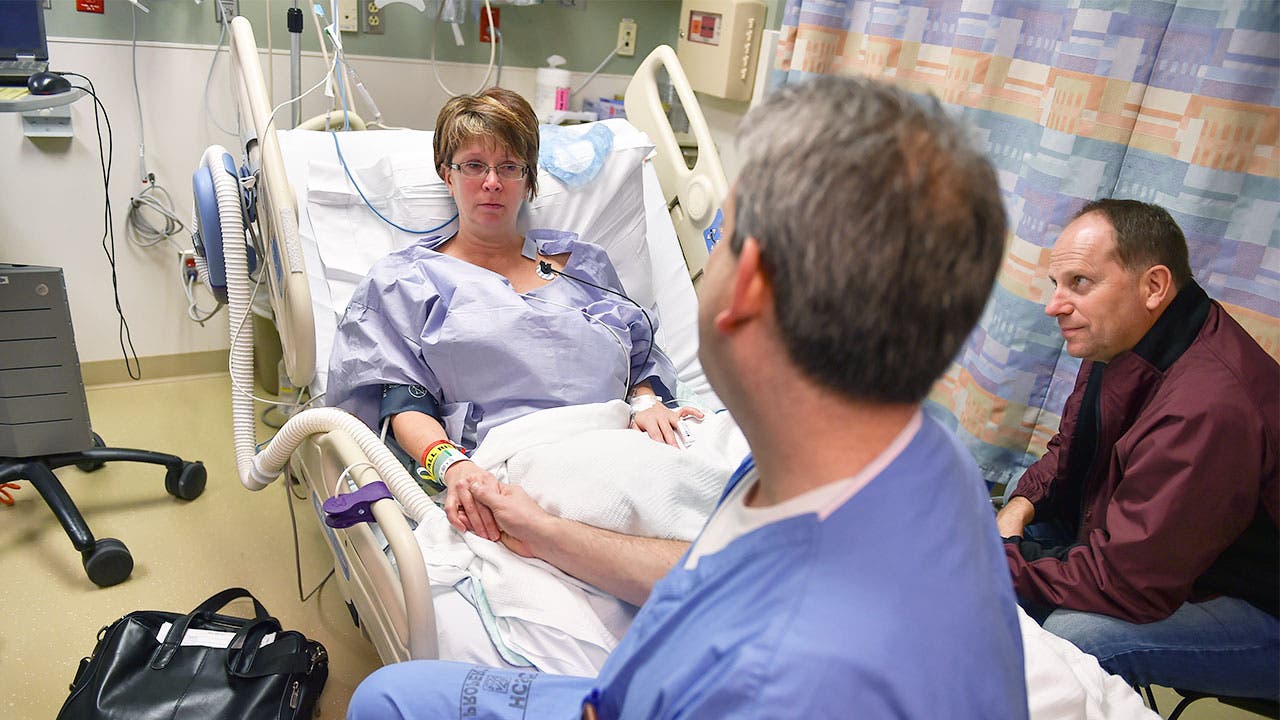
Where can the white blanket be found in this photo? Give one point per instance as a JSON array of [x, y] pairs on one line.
[[581, 463], [1064, 683]]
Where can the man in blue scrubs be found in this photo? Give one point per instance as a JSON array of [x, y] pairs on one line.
[[853, 568]]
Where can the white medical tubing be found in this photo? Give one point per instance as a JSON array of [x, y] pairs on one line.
[[270, 462], [243, 420], [257, 470]]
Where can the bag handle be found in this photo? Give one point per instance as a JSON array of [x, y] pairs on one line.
[[245, 645], [245, 661], [165, 652]]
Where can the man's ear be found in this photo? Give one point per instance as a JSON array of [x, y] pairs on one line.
[[751, 294], [1157, 286]]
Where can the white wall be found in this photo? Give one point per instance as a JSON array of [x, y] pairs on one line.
[[51, 212]]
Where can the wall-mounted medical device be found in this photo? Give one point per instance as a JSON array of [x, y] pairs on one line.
[[719, 41]]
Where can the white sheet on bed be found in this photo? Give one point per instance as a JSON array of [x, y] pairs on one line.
[[581, 463], [1064, 683], [622, 210]]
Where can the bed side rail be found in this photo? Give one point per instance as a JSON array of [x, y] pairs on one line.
[[277, 210], [693, 194], [404, 630]]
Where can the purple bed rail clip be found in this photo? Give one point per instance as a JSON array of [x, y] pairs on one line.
[[354, 507]]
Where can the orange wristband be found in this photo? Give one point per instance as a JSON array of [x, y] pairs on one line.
[[422, 460]]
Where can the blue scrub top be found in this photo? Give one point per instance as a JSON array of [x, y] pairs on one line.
[[897, 605], [484, 353]]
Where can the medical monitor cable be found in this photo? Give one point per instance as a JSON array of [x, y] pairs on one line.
[[435, 34], [208, 80], [545, 269], [109, 234], [595, 72], [297, 553], [497, 34], [235, 339], [196, 313], [141, 230], [272, 117], [317, 12], [331, 68], [368, 204]]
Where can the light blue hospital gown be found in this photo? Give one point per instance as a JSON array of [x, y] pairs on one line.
[[485, 353], [898, 605]]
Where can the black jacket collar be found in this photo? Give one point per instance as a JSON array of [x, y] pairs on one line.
[[1176, 328]]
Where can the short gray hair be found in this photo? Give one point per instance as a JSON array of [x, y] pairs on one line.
[[880, 228]]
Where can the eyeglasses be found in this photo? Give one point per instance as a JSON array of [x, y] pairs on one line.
[[506, 171]]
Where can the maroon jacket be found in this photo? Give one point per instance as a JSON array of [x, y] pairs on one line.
[[1173, 486]]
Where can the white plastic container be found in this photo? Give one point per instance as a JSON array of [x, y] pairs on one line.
[[552, 92]]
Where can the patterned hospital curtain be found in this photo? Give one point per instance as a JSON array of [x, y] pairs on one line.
[[1172, 102]]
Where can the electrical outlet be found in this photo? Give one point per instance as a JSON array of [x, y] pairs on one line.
[[348, 16], [227, 8], [187, 266], [626, 37], [371, 22]]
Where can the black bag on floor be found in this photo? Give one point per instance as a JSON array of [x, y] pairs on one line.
[[262, 672]]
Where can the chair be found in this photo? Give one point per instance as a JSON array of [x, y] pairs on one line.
[[1265, 708], [106, 560], [44, 419]]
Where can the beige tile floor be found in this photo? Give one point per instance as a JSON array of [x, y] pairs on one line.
[[183, 552]]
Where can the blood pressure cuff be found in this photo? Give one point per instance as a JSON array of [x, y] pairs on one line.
[[404, 398]]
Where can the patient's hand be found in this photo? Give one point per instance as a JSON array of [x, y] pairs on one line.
[[520, 518], [462, 508], [662, 423]]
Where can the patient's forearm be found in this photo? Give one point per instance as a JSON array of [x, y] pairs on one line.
[[622, 565], [415, 431]]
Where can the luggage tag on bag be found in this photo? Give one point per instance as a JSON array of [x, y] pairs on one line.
[[208, 638]]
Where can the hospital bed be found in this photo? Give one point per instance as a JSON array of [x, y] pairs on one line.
[[313, 192], [644, 204]]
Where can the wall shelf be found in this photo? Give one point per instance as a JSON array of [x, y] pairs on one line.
[[44, 115]]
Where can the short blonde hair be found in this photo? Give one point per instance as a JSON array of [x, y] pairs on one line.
[[496, 116]]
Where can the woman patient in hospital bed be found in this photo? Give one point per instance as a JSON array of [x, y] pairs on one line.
[[511, 347]]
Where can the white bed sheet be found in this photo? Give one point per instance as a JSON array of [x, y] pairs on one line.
[[623, 210]]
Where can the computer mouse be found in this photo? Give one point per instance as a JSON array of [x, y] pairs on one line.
[[47, 83]]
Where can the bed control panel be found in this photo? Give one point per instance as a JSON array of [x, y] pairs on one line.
[[719, 41]]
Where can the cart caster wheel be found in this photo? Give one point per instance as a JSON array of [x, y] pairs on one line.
[[188, 482], [93, 465], [108, 563]]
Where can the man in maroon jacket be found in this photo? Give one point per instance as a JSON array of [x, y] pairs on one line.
[[1155, 544]]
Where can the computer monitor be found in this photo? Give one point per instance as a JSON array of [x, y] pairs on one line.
[[22, 35]]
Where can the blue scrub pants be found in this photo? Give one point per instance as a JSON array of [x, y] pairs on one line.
[[1223, 646], [440, 690]]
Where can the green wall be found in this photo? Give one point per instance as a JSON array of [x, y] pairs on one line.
[[530, 33]]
